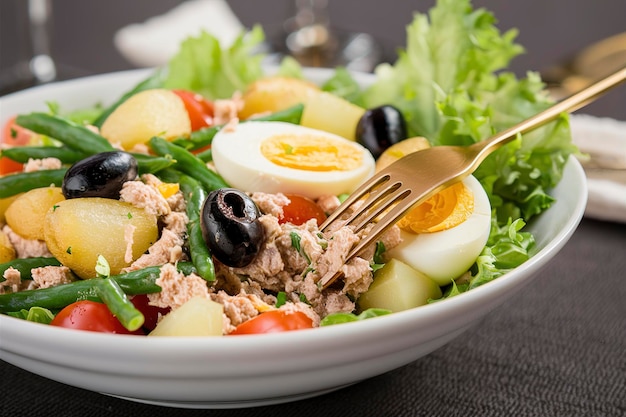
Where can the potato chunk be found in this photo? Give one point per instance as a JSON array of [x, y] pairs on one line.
[[7, 252], [273, 94], [197, 317], [399, 287], [78, 230], [25, 215], [149, 113]]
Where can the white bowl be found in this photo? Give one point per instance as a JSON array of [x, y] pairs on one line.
[[228, 372]]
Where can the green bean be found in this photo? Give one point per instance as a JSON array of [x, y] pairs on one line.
[[25, 266], [153, 81], [142, 281], [206, 155], [122, 308], [23, 153], [200, 254], [152, 164], [203, 137], [292, 114], [18, 183], [188, 163], [71, 134]]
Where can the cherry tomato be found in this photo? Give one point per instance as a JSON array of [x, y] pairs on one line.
[[150, 313], [91, 316], [274, 321], [200, 110], [301, 209], [13, 135]]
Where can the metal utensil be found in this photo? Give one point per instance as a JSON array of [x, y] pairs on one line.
[[390, 193]]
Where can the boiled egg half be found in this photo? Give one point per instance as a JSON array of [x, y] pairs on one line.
[[277, 157], [441, 252]]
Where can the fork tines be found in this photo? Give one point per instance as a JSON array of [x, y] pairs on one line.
[[379, 202]]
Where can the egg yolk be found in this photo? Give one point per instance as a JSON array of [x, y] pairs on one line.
[[443, 211], [311, 153]]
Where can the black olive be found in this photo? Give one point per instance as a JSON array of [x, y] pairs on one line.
[[231, 227], [100, 175], [379, 128]]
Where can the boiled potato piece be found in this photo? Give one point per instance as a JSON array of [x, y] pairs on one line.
[[146, 114], [325, 111], [197, 317], [273, 94], [7, 252], [4, 205], [78, 230], [398, 287], [400, 149], [26, 214]]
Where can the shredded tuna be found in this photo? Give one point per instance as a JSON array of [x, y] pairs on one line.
[[303, 308], [237, 309], [140, 148], [51, 276], [224, 111], [177, 288], [42, 164], [328, 203], [12, 281], [26, 248], [270, 203], [168, 249], [294, 258], [145, 197]]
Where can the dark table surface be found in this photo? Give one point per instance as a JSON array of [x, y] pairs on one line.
[[558, 348]]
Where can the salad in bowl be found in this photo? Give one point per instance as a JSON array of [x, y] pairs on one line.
[[186, 201]]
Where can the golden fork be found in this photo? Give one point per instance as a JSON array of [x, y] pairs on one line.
[[414, 178]]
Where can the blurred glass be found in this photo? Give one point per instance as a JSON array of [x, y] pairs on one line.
[[311, 39], [33, 64]]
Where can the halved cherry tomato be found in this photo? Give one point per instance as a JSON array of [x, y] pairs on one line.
[[199, 109], [13, 135], [150, 313], [275, 321], [91, 316], [300, 210]]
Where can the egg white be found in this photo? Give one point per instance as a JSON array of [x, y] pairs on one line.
[[238, 159], [446, 255]]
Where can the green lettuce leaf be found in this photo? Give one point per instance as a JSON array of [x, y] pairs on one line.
[[450, 86], [203, 66], [34, 314]]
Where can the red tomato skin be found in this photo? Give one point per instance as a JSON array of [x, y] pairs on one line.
[[150, 313], [90, 316], [200, 111], [274, 321], [13, 135], [300, 210]]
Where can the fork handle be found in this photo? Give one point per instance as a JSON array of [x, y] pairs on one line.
[[567, 105]]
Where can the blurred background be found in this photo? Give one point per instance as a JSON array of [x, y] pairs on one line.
[[564, 40]]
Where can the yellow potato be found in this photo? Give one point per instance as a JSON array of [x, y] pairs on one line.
[[4, 205], [7, 252], [197, 317], [332, 114], [322, 110], [272, 94], [78, 230], [400, 149], [25, 215], [146, 114]]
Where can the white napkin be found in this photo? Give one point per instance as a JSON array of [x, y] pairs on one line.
[[604, 141], [153, 42]]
